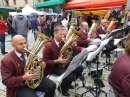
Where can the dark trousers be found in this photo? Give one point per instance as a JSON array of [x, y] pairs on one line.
[[65, 84], [109, 47], [46, 86], [52, 29], [2, 40]]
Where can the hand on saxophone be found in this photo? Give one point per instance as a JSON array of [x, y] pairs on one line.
[[29, 76]]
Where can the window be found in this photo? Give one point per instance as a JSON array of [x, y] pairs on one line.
[[26, 1], [7, 2], [14, 2]]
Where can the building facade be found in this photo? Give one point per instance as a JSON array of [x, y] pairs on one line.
[[18, 4]]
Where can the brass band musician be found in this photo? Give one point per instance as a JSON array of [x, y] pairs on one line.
[[101, 29], [51, 53], [13, 77], [83, 40]]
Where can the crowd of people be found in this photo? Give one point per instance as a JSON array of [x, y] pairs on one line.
[[12, 65]]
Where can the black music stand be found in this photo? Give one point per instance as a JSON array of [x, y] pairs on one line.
[[77, 61], [90, 57], [114, 32]]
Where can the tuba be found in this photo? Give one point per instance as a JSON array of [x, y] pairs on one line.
[[32, 63], [92, 29], [113, 21], [66, 51]]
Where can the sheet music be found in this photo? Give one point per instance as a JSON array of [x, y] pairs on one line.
[[103, 36], [118, 50], [128, 23], [74, 64], [91, 47], [92, 55], [116, 41], [96, 41]]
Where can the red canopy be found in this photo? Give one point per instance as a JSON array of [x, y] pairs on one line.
[[81, 4], [98, 8]]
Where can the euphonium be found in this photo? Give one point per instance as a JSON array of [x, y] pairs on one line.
[[32, 61], [93, 27], [66, 51], [113, 21], [72, 26]]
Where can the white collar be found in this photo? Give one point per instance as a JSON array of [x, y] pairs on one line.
[[57, 43], [103, 27], [85, 32], [19, 55]]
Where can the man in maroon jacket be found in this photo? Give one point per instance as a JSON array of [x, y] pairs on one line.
[[119, 77], [13, 76], [83, 40], [51, 54], [102, 30]]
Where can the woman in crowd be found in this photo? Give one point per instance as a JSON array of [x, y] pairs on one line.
[[3, 27]]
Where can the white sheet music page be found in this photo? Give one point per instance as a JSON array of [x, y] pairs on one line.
[[96, 41], [92, 55], [103, 36], [91, 47], [116, 41]]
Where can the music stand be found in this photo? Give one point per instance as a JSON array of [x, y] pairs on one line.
[[113, 33], [77, 61], [92, 55]]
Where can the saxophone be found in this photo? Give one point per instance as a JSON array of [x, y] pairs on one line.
[[67, 51], [32, 63]]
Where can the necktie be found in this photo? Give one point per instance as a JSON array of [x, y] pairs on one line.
[[23, 58], [59, 45]]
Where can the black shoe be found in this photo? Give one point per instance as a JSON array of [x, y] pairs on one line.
[[64, 93], [4, 53], [71, 87]]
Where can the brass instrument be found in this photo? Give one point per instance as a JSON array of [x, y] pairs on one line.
[[113, 21], [72, 26], [32, 63], [66, 51], [94, 25]]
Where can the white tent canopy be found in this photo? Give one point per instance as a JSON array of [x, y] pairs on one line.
[[27, 10]]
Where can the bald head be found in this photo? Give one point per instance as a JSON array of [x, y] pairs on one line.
[[104, 22], [84, 26], [19, 43], [84, 23], [17, 38]]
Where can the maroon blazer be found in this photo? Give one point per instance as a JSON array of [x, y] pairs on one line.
[[11, 72], [82, 40], [99, 30], [51, 52], [119, 77]]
